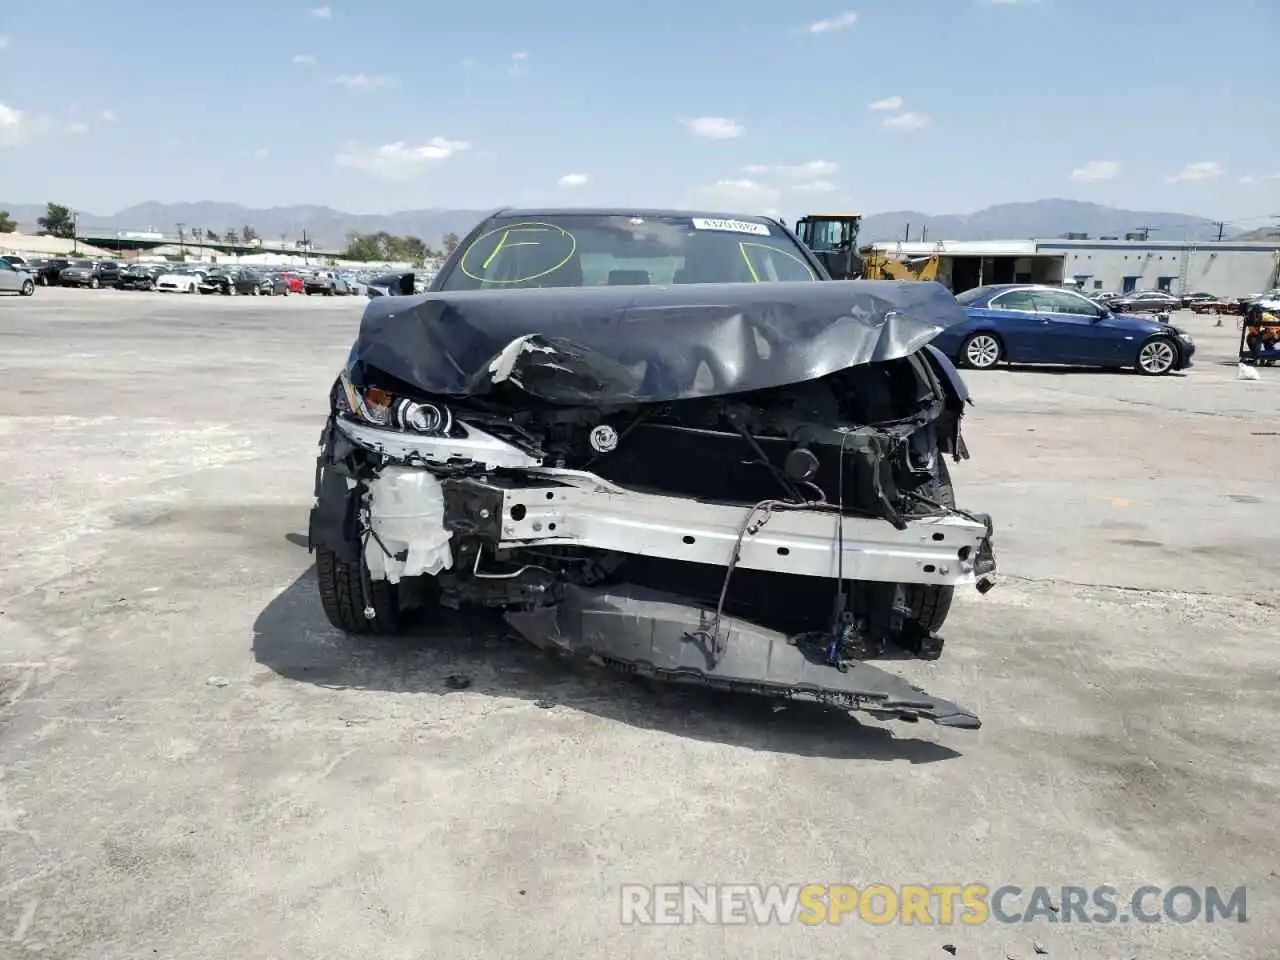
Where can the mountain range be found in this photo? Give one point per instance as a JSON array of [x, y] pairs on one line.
[[329, 228]]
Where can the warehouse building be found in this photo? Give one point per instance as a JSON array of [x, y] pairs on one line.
[[1223, 268]]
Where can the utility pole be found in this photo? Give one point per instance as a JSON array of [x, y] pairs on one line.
[[75, 232], [181, 252], [907, 237], [1221, 226]]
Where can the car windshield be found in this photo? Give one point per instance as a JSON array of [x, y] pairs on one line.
[[588, 250], [81, 263]]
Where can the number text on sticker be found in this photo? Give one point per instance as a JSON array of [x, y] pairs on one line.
[[733, 226]]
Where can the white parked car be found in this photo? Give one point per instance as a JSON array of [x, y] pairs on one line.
[[179, 281]]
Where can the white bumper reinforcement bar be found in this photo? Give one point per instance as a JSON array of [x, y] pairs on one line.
[[582, 510]]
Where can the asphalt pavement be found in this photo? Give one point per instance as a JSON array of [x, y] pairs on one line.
[[194, 765]]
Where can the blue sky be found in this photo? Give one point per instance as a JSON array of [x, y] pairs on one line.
[[943, 106]]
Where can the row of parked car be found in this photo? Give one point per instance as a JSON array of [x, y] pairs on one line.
[[23, 276]]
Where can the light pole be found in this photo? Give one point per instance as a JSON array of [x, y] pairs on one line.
[[181, 250], [75, 232]]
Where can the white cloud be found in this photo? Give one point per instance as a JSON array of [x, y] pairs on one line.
[[321, 13], [522, 55], [107, 116], [714, 128], [572, 180], [398, 161], [4, 41], [839, 22], [261, 153], [305, 59], [13, 126], [815, 186], [76, 126], [906, 121], [1201, 170], [1096, 170], [888, 103], [744, 195], [1007, 3], [361, 81], [799, 171]]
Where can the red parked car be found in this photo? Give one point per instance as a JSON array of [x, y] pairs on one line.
[[295, 282]]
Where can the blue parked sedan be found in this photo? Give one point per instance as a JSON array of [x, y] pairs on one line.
[[1026, 323]]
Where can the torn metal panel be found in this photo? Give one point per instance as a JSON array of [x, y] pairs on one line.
[[651, 633], [610, 345]]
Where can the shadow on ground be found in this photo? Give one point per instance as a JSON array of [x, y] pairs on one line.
[[293, 639], [1060, 370]]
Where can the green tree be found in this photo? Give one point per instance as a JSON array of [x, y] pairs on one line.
[[211, 235], [248, 233], [58, 222], [7, 224], [364, 246], [231, 237], [384, 246], [450, 244]]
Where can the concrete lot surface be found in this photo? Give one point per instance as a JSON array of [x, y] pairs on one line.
[[194, 765]]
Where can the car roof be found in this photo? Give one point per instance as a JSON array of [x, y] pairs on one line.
[[654, 213], [994, 288]]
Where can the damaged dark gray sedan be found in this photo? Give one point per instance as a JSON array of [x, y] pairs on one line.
[[665, 441]]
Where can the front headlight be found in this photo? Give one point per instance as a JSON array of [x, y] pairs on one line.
[[381, 408]]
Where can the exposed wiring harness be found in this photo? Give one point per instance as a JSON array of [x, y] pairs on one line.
[[710, 636]]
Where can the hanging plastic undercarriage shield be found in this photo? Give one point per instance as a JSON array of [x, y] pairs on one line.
[[649, 633]]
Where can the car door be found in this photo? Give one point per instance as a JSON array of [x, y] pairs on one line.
[[1078, 331], [10, 279], [1012, 315]]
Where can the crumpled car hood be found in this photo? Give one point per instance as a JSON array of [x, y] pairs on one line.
[[601, 345]]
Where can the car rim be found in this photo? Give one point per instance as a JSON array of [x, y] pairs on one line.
[[1156, 357], [983, 351]]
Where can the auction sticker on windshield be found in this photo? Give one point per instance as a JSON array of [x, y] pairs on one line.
[[733, 226]]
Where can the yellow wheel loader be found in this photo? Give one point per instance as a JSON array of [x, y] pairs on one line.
[[833, 238]]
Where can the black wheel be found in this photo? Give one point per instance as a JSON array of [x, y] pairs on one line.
[[931, 604], [44, 281], [342, 594], [981, 351], [28, 288], [95, 283], [1157, 357]]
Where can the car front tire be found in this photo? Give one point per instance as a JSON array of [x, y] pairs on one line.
[[1157, 357], [931, 604], [28, 288], [342, 595]]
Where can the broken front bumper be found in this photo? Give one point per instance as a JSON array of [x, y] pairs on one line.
[[647, 633]]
